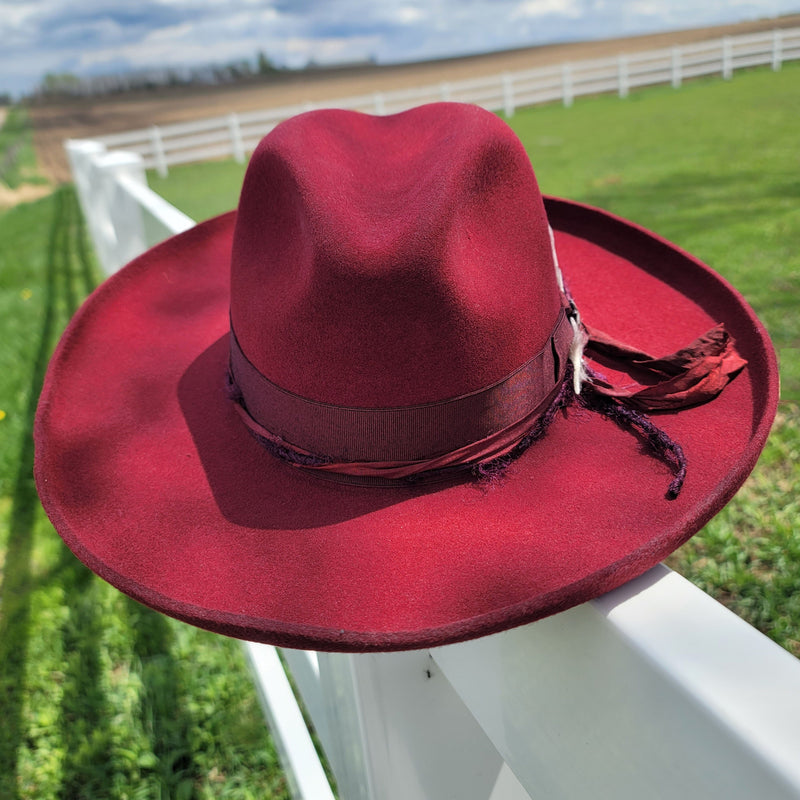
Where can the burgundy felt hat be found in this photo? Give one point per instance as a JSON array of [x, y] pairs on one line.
[[398, 399]]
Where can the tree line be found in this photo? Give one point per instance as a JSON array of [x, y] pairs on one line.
[[65, 84]]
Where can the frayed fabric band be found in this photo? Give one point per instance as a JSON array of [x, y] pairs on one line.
[[395, 442], [487, 460], [692, 375], [482, 458], [657, 440]]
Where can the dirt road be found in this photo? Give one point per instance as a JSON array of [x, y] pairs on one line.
[[93, 117]]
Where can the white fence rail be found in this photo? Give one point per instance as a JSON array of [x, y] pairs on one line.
[[652, 691], [235, 135]]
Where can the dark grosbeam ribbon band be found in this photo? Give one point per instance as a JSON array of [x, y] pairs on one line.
[[394, 443]]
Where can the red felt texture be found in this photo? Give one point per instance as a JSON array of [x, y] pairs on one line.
[[427, 253], [151, 478]]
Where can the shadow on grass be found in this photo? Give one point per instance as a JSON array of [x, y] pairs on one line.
[[16, 586], [684, 204], [86, 720], [166, 723]]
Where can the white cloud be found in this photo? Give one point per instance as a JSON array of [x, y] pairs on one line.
[[540, 8], [407, 15], [171, 34]]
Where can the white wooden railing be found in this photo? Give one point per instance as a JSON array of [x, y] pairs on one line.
[[652, 691], [236, 135]]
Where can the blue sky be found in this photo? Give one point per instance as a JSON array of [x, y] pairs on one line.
[[88, 37]]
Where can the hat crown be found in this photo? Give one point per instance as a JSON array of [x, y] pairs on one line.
[[391, 261]]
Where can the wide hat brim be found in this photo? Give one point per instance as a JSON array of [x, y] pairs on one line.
[[151, 478]]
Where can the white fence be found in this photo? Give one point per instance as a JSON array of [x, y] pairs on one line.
[[652, 691], [235, 135]]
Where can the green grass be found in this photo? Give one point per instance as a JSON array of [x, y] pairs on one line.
[[17, 156], [201, 190], [99, 696], [712, 166]]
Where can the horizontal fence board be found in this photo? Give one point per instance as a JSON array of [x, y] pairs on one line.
[[540, 97], [742, 52], [125, 140], [700, 70], [650, 79], [594, 87], [200, 154], [752, 61], [654, 690], [219, 135], [212, 123], [256, 131], [650, 67]]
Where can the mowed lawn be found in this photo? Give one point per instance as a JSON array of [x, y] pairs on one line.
[[101, 698]]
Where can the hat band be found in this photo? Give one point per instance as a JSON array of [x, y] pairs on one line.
[[333, 433]]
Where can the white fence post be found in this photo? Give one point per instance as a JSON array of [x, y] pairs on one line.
[[508, 95], [306, 778], [158, 151], [566, 84], [237, 145], [727, 58], [676, 68], [400, 732], [80, 154], [120, 214], [123, 215], [622, 76], [777, 48]]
